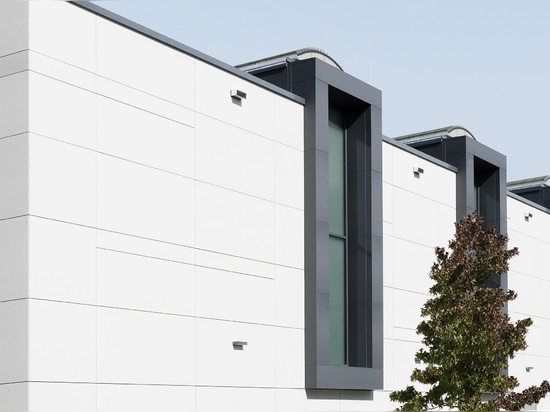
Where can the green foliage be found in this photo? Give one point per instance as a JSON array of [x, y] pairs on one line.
[[467, 336]]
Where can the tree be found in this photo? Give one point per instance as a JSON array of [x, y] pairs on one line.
[[467, 336]]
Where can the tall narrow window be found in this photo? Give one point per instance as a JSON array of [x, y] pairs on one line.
[[338, 237]]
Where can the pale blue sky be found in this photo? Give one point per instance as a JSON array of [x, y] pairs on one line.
[[481, 64]]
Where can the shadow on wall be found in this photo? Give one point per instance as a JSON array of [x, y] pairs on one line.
[[340, 394]]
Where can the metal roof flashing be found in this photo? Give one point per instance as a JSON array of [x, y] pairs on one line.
[[138, 28]]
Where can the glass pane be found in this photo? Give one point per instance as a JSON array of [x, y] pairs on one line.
[[337, 301], [336, 171]]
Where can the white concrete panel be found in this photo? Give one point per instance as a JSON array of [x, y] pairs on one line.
[[62, 342], [145, 348], [133, 59], [49, 23], [14, 176], [144, 247], [233, 296], [234, 158], [445, 224], [415, 218], [387, 162], [144, 101], [141, 136], [14, 341], [404, 364], [72, 118], [436, 182], [207, 259], [213, 88], [446, 187], [62, 71], [14, 239], [530, 258], [289, 297], [14, 104], [289, 237], [14, 396], [288, 123], [289, 176], [529, 293], [218, 363], [62, 397], [387, 202], [62, 261], [411, 271], [126, 280], [14, 63], [407, 308], [145, 398], [143, 201], [233, 223], [358, 401], [62, 181], [211, 399], [389, 308], [289, 358], [298, 400], [389, 363], [14, 26]]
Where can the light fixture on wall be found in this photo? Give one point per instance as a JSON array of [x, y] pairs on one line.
[[417, 171], [238, 94], [528, 368], [527, 216], [239, 344]]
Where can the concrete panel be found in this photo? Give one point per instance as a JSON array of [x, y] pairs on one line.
[[288, 123], [142, 63], [14, 105], [14, 176], [14, 27], [62, 342], [237, 264], [144, 101], [62, 181], [142, 201], [289, 182], [119, 242], [134, 134], [14, 396], [78, 49], [246, 159], [145, 398], [62, 397], [219, 363], [14, 266], [234, 296], [289, 358], [413, 218], [14, 63], [289, 237], [145, 348], [71, 119], [235, 399], [411, 270], [233, 223], [47, 66], [126, 280], [14, 341], [63, 269], [213, 99], [289, 297]]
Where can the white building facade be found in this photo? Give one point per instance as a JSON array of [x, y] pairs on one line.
[[177, 234]]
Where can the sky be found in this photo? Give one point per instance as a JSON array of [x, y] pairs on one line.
[[484, 65]]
